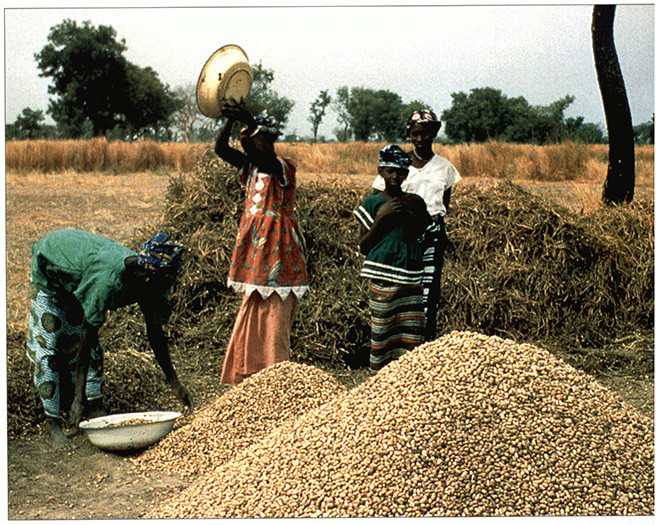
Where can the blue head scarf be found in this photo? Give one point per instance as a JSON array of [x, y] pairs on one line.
[[266, 124], [394, 157], [160, 253]]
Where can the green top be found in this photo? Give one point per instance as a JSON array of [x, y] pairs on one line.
[[397, 257], [89, 267]]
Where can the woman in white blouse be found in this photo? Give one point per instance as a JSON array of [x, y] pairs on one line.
[[431, 177]]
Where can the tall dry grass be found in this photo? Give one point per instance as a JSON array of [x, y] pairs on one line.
[[551, 163], [98, 154]]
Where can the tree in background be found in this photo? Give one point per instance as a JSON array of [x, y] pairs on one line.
[[482, 115], [150, 106], [187, 119], [29, 124], [370, 114], [317, 112], [551, 124], [576, 130], [361, 114], [263, 98], [644, 133], [96, 90], [340, 105], [621, 176], [88, 71], [387, 107], [488, 114]]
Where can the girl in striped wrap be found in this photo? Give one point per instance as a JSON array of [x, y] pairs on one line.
[[432, 177], [391, 223]]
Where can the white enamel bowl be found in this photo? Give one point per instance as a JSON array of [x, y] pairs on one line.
[[108, 432], [226, 76]]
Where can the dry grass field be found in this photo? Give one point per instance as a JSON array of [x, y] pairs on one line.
[[557, 162], [114, 201]]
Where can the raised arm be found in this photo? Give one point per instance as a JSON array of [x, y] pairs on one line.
[[257, 142], [222, 148]]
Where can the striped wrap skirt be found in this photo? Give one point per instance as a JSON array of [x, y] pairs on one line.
[[434, 243], [397, 321]]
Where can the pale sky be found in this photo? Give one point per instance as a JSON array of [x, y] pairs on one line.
[[422, 52]]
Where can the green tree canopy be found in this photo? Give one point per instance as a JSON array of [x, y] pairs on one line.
[[150, 105], [370, 114], [88, 72], [263, 98], [317, 111], [95, 89], [29, 124], [644, 133], [488, 114], [479, 116], [579, 131], [340, 105]]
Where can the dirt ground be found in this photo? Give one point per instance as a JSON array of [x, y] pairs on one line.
[[87, 483]]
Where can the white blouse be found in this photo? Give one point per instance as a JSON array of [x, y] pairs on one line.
[[430, 182]]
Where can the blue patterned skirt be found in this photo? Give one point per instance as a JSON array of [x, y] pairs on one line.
[[55, 331]]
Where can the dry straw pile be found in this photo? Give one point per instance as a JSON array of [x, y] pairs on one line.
[[521, 266], [248, 412], [467, 425], [526, 268]]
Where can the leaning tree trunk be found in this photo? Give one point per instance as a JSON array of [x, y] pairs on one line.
[[620, 178]]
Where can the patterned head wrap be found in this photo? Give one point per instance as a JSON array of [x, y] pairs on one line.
[[423, 116], [160, 253], [266, 124], [394, 157]]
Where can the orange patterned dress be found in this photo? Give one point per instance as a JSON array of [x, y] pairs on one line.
[[268, 258], [269, 254]]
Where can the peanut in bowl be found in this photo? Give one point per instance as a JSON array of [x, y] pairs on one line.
[[130, 431]]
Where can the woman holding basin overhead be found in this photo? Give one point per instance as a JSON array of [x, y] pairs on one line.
[[268, 263], [432, 178]]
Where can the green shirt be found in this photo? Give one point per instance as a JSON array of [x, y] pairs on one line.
[[91, 268], [397, 257]]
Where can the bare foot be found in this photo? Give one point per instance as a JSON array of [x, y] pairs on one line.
[[58, 439]]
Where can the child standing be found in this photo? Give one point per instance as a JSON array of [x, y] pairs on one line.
[[391, 223], [432, 177], [268, 264]]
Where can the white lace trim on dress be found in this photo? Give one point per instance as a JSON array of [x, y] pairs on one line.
[[266, 291]]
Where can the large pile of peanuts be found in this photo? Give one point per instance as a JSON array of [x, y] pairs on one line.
[[466, 425], [241, 416]]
